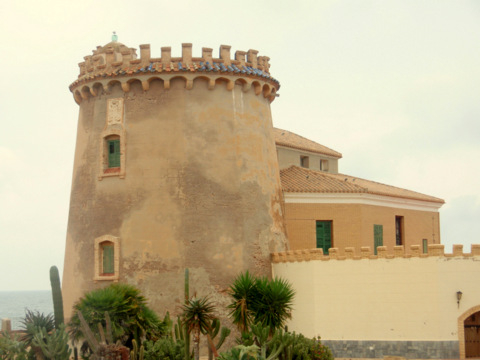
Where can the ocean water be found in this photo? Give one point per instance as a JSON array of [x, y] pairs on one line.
[[14, 303]]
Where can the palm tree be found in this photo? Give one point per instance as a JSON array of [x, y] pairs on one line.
[[197, 317]]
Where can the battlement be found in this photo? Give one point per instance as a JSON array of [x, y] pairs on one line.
[[434, 250], [116, 62], [116, 59]]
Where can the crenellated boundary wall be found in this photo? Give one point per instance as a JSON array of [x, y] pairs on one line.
[[390, 304]]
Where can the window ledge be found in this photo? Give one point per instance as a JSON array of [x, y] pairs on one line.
[[106, 278], [116, 171]]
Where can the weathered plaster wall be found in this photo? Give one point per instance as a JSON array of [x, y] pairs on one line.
[[383, 301], [353, 225], [201, 190]]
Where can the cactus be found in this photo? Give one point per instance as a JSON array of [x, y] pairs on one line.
[[105, 349], [179, 330], [212, 333], [56, 296], [185, 330], [88, 334], [275, 344], [55, 345], [136, 353]]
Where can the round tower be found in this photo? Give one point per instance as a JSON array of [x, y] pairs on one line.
[[175, 167]]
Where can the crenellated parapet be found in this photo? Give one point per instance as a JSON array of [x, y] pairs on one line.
[[434, 250], [117, 63]]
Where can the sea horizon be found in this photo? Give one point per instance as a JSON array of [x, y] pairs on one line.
[[13, 304]]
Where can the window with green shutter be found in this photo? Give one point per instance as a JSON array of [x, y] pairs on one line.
[[113, 153], [377, 237], [425, 246], [108, 258], [324, 235]]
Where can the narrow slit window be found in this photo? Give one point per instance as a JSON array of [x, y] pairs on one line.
[[399, 231]]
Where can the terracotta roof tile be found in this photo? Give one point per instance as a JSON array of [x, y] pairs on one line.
[[294, 141], [301, 180]]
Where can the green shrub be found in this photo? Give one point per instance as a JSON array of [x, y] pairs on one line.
[[164, 348], [11, 348], [130, 317], [321, 352]]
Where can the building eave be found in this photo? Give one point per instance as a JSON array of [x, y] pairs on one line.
[[361, 198]]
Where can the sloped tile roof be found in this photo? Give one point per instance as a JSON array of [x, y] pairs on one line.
[[301, 180], [294, 141]]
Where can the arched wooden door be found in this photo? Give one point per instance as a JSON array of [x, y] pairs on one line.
[[472, 335]]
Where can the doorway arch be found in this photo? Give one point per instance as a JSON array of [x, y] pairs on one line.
[[469, 333]]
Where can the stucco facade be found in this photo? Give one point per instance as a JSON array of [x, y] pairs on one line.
[[196, 183], [368, 306]]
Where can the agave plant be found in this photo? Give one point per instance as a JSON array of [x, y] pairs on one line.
[[31, 323], [198, 316], [244, 293], [260, 300], [274, 306]]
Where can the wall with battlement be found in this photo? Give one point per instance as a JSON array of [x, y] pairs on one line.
[[367, 253], [118, 62], [388, 301]]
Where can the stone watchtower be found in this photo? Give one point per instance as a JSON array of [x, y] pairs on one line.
[[175, 166]]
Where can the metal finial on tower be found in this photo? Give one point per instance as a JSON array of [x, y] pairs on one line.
[[114, 37]]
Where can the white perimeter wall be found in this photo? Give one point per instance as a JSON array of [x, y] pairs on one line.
[[382, 299]]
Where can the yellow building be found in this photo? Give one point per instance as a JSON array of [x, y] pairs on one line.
[[325, 209]]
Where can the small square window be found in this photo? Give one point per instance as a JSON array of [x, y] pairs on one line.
[[304, 161], [324, 165]]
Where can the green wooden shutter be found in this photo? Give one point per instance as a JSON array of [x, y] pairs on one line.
[[324, 235], [113, 153], [108, 267], [425, 246], [377, 237]]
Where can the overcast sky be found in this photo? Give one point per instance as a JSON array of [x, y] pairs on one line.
[[392, 85]]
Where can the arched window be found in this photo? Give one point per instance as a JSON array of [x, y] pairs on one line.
[[107, 258], [113, 150], [113, 155], [108, 253]]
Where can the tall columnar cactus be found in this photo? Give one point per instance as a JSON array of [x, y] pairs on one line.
[[56, 296], [187, 298], [137, 353]]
